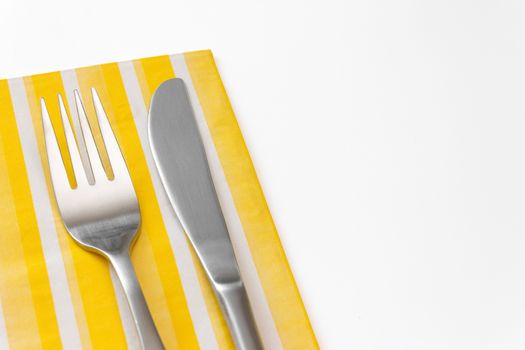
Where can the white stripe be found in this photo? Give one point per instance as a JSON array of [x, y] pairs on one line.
[[70, 82], [4, 344], [260, 306], [179, 244], [65, 313]]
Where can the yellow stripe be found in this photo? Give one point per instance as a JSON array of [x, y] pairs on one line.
[[152, 255], [96, 307], [28, 229], [279, 286], [22, 323], [151, 72]]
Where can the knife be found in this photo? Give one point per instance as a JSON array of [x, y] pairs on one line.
[[181, 161]]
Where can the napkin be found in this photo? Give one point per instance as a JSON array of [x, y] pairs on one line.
[[54, 294]]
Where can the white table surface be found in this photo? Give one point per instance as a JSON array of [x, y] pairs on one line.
[[389, 138]]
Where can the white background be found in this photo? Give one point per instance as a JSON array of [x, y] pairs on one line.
[[389, 137]]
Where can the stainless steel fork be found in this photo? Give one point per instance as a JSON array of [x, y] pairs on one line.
[[102, 215]]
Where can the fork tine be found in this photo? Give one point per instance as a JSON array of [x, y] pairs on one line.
[[94, 157], [115, 155], [78, 168], [56, 164]]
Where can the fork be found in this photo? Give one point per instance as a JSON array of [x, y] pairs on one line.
[[101, 214]]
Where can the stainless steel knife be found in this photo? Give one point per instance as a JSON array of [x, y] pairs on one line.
[[181, 160]]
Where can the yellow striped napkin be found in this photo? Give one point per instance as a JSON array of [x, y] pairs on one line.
[[53, 294]]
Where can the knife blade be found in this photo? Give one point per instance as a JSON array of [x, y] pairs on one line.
[[181, 160]]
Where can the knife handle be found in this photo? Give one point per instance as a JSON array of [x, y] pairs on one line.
[[236, 306]]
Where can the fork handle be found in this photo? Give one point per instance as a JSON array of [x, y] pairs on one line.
[[148, 335]]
